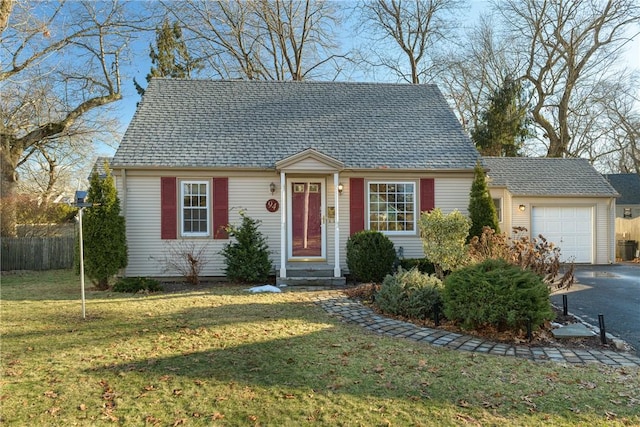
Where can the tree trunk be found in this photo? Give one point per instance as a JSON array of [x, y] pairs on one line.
[[8, 185]]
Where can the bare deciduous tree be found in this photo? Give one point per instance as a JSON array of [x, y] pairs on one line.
[[61, 64], [261, 39], [475, 70], [566, 47], [617, 106], [418, 28]]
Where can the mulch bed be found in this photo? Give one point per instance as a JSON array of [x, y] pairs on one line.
[[542, 337]]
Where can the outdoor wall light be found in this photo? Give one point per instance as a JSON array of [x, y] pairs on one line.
[[272, 188], [522, 208], [340, 188]]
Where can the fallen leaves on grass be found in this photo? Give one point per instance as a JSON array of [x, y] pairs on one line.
[[51, 394], [587, 385], [468, 419]]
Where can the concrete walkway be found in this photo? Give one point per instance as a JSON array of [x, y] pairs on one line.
[[351, 311]]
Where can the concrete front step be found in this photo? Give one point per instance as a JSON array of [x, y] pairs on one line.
[[309, 271], [310, 274], [311, 281]]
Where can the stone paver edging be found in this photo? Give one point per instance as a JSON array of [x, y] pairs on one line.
[[354, 312]]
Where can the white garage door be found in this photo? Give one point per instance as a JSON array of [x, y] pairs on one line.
[[569, 228]]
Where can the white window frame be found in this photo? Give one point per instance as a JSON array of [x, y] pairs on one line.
[[415, 208], [207, 208], [499, 207]]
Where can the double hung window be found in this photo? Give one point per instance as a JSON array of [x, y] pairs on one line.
[[392, 207], [498, 205], [195, 208]]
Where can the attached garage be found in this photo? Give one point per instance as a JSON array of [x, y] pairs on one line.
[[565, 200], [570, 228]]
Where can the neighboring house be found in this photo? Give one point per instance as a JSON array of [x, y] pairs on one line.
[[565, 200], [98, 167], [628, 185], [314, 161]]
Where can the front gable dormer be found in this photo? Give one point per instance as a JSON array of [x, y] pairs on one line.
[[309, 160]]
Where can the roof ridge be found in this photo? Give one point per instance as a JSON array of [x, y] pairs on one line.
[[293, 82]]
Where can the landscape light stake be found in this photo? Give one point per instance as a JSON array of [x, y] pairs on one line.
[[565, 305], [603, 333], [436, 314], [529, 329]]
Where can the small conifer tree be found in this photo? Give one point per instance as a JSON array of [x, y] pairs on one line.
[[170, 57], [104, 232], [482, 210], [247, 257]]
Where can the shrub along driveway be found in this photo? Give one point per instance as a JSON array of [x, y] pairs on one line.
[[610, 290]]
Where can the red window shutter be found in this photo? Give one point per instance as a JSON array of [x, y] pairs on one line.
[[427, 194], [220, 208], [168, 208], [356, 202]]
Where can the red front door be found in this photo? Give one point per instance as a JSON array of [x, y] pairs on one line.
[[306, 214]]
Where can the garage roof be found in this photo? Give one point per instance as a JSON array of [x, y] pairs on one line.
[[543, 176]]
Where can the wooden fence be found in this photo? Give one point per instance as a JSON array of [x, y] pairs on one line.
[[628, 229], [37, 253]]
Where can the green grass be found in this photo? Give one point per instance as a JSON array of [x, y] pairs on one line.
[[225, 357]]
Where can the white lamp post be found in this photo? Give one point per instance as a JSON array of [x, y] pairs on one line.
[[82, 206]]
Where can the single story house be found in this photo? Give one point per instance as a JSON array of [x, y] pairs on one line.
[[628, 185], [314, 161], [565, 200]]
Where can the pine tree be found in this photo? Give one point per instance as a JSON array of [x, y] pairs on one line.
[[504, 125], [104, 233], [170, 58], [482, 211], [247, 257]]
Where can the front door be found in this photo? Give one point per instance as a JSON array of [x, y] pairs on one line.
[[306, 219]]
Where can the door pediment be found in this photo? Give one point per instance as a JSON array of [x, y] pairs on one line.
[[309, 160]]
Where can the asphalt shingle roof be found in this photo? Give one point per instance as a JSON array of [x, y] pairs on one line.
[[533, 176], [628, 185], [98, 166], [254, 124]]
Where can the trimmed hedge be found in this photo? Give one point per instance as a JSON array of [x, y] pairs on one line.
[[137, 284], [370, 256]]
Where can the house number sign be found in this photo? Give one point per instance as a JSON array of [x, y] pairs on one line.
[[272, 205]]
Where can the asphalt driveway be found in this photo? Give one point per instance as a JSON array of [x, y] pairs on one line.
[[610, 290]]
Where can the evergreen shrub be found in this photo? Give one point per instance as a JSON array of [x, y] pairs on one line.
[[496, 293], [137, 284], [423, 264], [370, 256], [410, 294], [247, 256]]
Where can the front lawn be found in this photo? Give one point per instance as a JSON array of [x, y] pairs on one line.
[[222, 356]]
